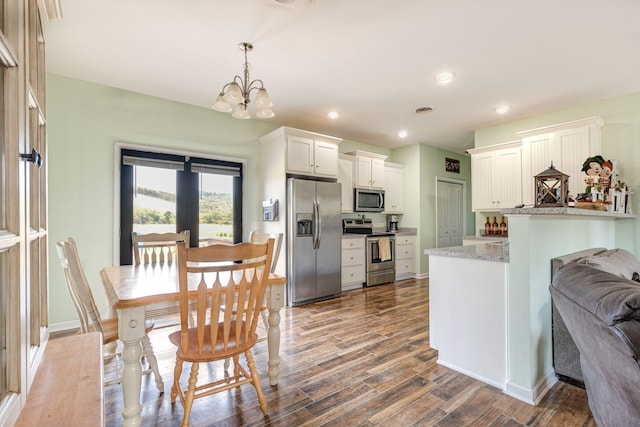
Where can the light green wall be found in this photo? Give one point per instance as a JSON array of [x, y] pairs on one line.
[[85, 120], [423, 164]]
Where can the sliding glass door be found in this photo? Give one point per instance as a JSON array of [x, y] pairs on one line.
[[170, 193]]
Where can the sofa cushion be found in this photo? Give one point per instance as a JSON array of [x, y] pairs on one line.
[[615, 261], [614, 299]]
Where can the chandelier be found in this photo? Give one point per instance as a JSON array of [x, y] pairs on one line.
[[238, 91]]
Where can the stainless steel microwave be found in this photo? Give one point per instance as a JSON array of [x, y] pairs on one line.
[[368, 200]]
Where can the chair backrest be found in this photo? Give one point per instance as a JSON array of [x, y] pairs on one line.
[[79, 288], [153, 248], [222, 275], [262, 238]]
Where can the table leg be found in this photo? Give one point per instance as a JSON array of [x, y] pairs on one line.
[[275, 301], [273, 344], [131, 331]]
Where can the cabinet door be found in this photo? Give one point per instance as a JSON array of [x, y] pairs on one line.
[[507, 178], [363, 172], [325, 159], [345, 177], [377, 173], [300, 155], [537, 154], [393, 190], [482, 182], [574, 149]]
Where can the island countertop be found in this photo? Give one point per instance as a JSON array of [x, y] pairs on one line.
[[498, 252]]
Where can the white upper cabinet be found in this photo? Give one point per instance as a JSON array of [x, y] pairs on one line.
[[369, 169], [393, 188], [566, 145], [496, 177], [309, 156], [345, 177]]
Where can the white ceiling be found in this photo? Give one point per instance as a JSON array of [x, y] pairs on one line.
[[373, 61]]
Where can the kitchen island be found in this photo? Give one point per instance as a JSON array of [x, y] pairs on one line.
[[468, 288]]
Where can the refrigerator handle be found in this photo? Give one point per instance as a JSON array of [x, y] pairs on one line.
[[315, 224], [319, 222]]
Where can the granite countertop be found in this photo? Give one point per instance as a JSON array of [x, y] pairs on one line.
[[403, 231], [487, 238], [498, 252], [560, 211]]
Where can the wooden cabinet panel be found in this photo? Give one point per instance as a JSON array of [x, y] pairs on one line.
[[567, 145], [393, 188], [496, 177]]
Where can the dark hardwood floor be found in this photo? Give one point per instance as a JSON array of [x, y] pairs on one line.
[[359, 360]]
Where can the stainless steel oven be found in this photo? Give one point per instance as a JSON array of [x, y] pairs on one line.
[[381, 259]]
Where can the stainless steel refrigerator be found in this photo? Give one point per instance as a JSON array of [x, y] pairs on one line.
[[314, 233]]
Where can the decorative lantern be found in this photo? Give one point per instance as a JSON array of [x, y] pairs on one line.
[[551, 188]]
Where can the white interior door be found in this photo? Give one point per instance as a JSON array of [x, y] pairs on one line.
[[450, 197]]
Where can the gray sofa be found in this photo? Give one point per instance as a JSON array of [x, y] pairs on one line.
[[600, 307]]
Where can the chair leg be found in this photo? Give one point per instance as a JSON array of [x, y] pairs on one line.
[[255, 378], [177, 372], [153, 363], [191, 391], [236, 367], [226, 364]]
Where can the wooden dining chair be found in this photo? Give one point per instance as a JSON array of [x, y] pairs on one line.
[[158, 249], [263, 238], [89, 315], [235, 275], [154, 248]]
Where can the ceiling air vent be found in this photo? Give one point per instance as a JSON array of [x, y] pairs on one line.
[[423, 110]]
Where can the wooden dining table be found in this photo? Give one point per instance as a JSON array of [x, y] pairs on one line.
[[130, 288]]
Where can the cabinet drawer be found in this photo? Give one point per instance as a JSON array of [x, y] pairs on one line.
[[405, 252], [353, 243], [405, 266], [405, 240], [354, 274], [352, 257]]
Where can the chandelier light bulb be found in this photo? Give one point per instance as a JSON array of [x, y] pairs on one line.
[[234, 94], [221, 105], [241, 113], [262, 99]]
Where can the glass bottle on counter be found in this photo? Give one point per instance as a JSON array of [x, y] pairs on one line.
[[487, 228], [503, 228], [495, 227]]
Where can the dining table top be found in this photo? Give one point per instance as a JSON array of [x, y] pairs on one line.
[[129, 286]]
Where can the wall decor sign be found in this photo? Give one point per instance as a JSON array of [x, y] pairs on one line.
[[451, 165]]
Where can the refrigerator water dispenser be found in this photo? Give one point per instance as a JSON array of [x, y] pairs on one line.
[[304, 223]]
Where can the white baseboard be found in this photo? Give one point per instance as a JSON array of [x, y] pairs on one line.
[[472, 375], [64, 326], [422, 275], [532, 397]]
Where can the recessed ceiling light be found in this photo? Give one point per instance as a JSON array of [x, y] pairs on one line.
[[445, 77], [333, 115], [502, 109], [403, 134], [285, 1]]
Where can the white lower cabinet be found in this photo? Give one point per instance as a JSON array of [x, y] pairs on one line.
[[405, 257], [353, 262]]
